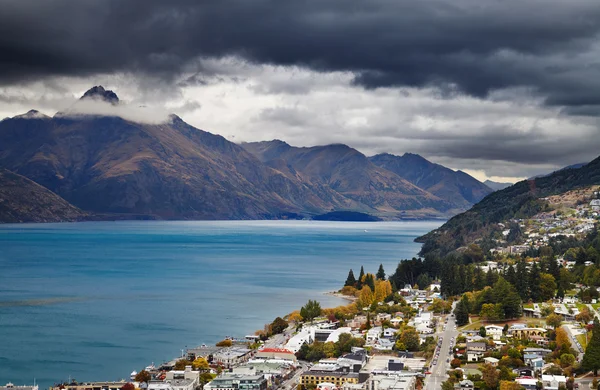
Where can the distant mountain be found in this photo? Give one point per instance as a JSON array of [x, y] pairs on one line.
[[456, 187], [349, 173], [116, 168], [521, 200], [171, 170], [347, 216], [496, 186], [22, 200], [98, 93], [574, 166]]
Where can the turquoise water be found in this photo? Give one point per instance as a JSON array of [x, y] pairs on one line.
[[96, 300]]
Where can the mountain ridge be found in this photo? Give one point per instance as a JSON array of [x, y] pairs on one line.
[[108, 165], [23, 200], [521, 200], [457, 187]]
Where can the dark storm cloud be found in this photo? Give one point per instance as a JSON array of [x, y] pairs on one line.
[[472, 46]]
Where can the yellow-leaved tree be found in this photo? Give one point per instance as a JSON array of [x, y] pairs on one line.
[[383, 288], [365, 298]]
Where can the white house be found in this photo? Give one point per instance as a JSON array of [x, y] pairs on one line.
[[552, 382], [475, 351], [373, 334], [494, 331]]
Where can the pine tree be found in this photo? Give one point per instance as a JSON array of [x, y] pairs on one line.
[[461, 313], [350, 280], [491, 277], [380, 273], [560, 293], [370, 281], [591, 358], [360, 277], [523, 285], [469, 278], [478, 281], [534, 282], [511, 276], [512, 305]]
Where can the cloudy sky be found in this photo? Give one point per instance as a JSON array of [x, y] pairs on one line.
[[499, 88]]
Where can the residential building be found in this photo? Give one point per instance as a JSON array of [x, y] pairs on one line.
[[383, 317], [492, 361], [528, 383], [553, 382], [475, 351], [525, 333], [373, 335], [494, 331]]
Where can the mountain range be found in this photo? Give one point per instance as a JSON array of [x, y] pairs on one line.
[[96, 164]]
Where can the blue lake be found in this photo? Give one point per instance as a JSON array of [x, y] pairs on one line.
[[96, 300]]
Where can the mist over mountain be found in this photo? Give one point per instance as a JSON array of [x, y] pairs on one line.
[[97, 156]]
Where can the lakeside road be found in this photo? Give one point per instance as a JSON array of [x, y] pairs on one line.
[[438, 371]]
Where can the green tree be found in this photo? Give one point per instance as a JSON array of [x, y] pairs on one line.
[[534, 282], [523, 285], [380, 273], [278, 325], [410, 338], [311, 310], [206, 377], [370, 281], [511, 303], [566, 360], [181, 364], [547, 287], [491, 311], [360, 277], [591, 358], [350, 280], [482, 331], [554, 320], [461, 312]]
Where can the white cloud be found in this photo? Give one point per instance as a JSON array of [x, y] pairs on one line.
[[510, 136]]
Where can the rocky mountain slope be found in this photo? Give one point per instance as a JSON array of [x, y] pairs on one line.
[[522, 200], [22, 200], [350, 174], [100, 162], [456, 187]]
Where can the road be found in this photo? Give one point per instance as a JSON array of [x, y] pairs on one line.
[[438, 371], [279, 340], [574, 343], [593, 311]]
